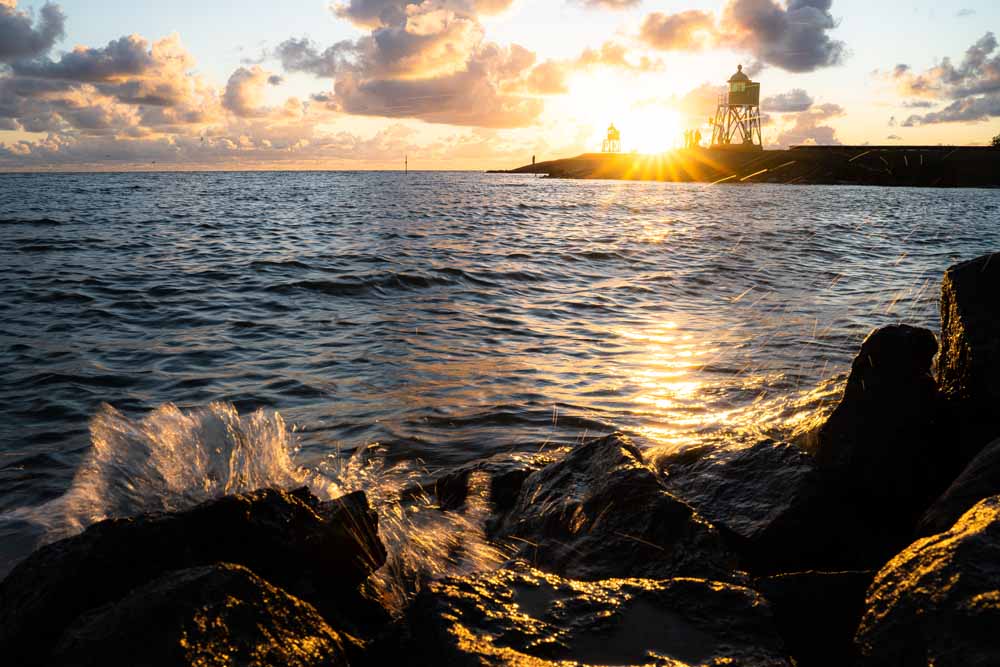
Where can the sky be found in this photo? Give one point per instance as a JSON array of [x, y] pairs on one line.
[[474, 84]]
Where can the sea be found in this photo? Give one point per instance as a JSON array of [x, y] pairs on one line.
[[169, 337]]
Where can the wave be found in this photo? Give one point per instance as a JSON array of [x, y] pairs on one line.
[[29, 221], [354, 286], [173, 459]]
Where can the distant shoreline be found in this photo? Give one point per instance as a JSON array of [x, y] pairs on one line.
[[902, 166]]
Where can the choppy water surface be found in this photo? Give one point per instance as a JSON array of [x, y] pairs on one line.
[[445, 316]]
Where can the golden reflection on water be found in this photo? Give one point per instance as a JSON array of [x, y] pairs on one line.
[[681, 401]]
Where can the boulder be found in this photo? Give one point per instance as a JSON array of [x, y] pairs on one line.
[[522, 616], [979, 480], [219, 614], [506, 473], [969, 364], [602, 512], [880, 450], [938, 601], [817, 613], [318, 551], [763, 498]]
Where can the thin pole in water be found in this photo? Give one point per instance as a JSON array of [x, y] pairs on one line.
[[406, 164]]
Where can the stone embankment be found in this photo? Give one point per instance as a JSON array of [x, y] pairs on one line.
[[912, 166]]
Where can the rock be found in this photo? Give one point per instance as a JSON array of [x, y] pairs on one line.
[[319, 552], [521, 616], [979, 480], [219, 614], [506, 473], [817, 613], [601, 512], [763, 498], [969, 363], [880, 449], [938, 601]]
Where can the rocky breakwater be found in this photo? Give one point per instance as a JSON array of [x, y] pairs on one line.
[[268, 577], [873, 541]]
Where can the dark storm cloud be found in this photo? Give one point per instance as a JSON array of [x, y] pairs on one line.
[[21, 38], [793, 101], [794, 36]]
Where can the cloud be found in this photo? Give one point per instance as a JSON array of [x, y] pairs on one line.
[[808, 127], [686, 31], [244, 94], [614, 5], [792, 101], [428, 61], [549, 77], [972, 87], [968, 109], [21, 38], [962, 13], [793, 36], [467, 97], [894, 137], [382, 13], [133, 102]]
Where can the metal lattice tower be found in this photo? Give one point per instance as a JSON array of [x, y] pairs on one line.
[[737, 118], [613, 142]]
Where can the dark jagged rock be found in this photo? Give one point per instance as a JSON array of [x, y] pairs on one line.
[[602, 512], [880, 449], [212, 615], [521, 616], [817, 613], [979, 480], [938, 601], [764, 498], [969, 363], [505, 474], [317, 551]]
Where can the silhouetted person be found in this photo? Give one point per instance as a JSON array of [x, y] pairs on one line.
[[532, 159], [697, 138]]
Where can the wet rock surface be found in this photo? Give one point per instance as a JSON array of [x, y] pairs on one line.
[[880, 450], [523, 616], [320, 552], [762, 497], [969, 364], [817, 613], [938, 601], [602, 512], [979, 480], [505, 474], [212, 615]]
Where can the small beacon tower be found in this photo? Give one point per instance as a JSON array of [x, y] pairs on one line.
[[613, 142], [737, 118]]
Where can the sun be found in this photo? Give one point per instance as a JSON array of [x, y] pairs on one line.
[[651, 129], [644, 115]]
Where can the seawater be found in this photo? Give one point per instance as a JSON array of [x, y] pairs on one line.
[[169, 337]]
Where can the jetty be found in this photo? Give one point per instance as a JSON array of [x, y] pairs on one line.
[[914, 166]]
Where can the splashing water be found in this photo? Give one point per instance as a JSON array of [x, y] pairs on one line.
[[173, 459]]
